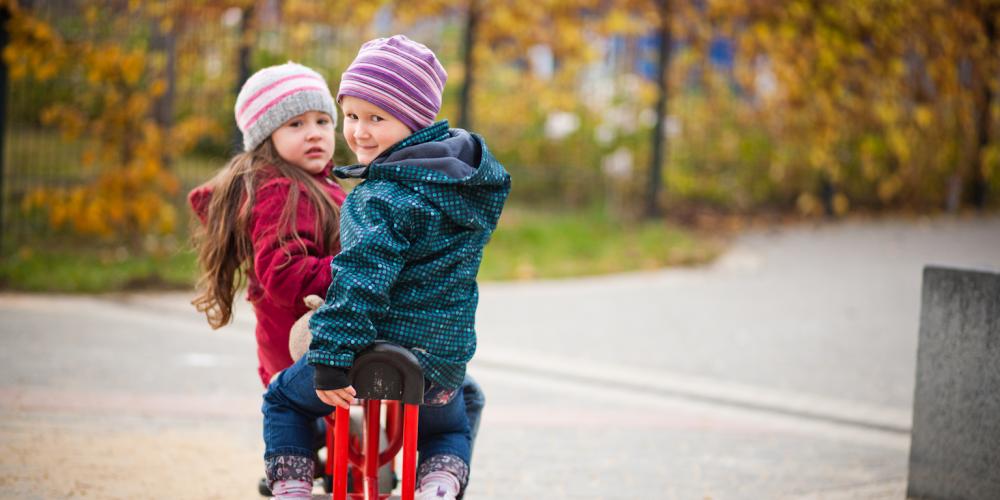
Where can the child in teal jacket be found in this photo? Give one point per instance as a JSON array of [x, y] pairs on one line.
[[412, 237]]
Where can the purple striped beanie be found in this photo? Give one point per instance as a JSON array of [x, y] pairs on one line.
[[398, 75], [276, 94]]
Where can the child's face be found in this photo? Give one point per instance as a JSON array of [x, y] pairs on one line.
[[306, 141], [369, 130]]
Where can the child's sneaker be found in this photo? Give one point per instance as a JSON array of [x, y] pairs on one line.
[[290, 476], [438, 485], [292, 489]]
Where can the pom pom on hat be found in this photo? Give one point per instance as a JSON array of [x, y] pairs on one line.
[[273, 95], [400, 76]]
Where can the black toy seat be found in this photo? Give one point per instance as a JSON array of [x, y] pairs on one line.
[[387, 371]]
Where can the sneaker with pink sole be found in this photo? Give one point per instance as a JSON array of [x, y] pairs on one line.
[[438, 485]]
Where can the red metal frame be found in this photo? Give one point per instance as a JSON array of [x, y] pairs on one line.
[[344, 449]]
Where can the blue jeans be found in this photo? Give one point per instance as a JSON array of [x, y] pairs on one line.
[[291, 408], [475, 400]]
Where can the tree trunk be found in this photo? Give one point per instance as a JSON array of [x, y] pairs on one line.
[[659, 141], [465, 98], [4, 38], [978, 190], [163, 108], [243, 67]]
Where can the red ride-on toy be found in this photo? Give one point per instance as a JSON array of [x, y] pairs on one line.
[[383, 373]]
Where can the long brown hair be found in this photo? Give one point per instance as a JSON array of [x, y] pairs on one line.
[[225, 251]]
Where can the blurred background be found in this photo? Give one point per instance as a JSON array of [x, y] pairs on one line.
[[825, 152], [638, 133]]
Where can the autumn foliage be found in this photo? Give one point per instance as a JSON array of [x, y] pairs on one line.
[[794, 105]]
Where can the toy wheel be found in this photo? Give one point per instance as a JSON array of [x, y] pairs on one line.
[[263, 489]]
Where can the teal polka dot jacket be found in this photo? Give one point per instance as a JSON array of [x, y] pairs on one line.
[[412, 237]]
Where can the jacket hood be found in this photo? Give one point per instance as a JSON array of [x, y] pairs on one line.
[[455, 172]]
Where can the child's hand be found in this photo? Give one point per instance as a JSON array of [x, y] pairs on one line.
[[338, 397]]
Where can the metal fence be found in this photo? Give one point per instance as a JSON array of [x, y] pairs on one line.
[[208, 66]]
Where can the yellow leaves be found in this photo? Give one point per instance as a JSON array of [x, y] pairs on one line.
[[34, 199], [158, 87], [46, 70], [924, 116], [505, 20], [841, 204], [166, 219], [109, 110], [88, 157], [186, 133], [166, 24], [808, 204], [819, 157], [35, 49], [91, 14], [108, 62], [619, 21], [132, 66], [889, 188], [899, 144], [827, 59], [128, 200], [137, 105], [70, 120], [301, 34]]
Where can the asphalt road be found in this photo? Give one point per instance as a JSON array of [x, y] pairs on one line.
[[783, 370]]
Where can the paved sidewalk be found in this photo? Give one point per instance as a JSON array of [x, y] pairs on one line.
[[785, 370]]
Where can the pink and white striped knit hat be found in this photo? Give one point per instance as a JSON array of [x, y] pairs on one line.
[[398, 75], [273, 95]]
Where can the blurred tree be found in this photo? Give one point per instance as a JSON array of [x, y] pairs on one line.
[[468, 62], [876, 98], [819, 107], [121, 110], [663, 44], [496, 33], [985, 84], [672, 23]]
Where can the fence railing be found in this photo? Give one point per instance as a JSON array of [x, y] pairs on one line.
[[37, 154]]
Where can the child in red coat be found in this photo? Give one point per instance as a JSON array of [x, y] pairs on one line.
[[271, 216]]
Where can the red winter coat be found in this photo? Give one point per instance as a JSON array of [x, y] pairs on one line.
[[276, 289]]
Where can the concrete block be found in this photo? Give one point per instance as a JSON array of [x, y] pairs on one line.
[[955, 439]]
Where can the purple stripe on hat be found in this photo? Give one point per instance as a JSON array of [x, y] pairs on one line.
[[412, 120], [397, 89], [399, 75], [396, 106], [420, 89], [418, 54], [417, 67]]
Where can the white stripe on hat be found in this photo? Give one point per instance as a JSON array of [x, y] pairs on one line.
[[265, 97], [250, 121]]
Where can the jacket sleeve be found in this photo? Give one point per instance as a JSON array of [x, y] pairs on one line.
[[363, 276], [286, 269]]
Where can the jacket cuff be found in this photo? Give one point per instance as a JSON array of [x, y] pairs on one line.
[[329, 378]]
